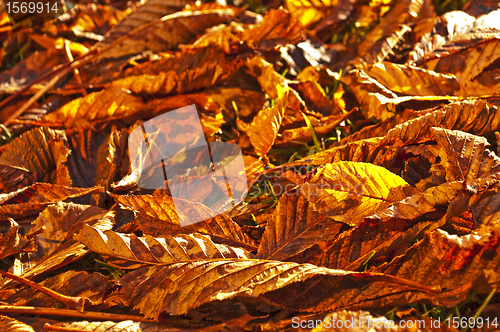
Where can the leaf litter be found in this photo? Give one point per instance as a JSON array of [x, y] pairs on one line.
[[369, 136]]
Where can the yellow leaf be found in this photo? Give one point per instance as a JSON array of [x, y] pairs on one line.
[[350, 191]]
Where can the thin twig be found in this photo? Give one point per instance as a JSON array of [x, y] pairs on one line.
[[42, 78], [77, 303], [21, 310], [40, 93]]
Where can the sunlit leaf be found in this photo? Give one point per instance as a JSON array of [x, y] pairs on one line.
[[295, 227], [206, 67], [379, 87], [38, 196], [278, 27], [71, 283], [387, 233], [179, 287], [106, 105], [350, 191], [11, 242], [163, 34], [309, 12], [8, 324], [37, 155], [474, 116], [159, 217], [58, 223], [453, 32], [130, 252], [265, 126], [456, 263], [402, 11]]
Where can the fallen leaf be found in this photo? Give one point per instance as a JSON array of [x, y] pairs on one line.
[[182, 286], [295, 227], [84, 112], [130, 252], [350, 191], [164, 33], [38, 196], [159, 216]]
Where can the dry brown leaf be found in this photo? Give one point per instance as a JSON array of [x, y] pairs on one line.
[[277, 27], [468, 63], [165, 33], [295, 227], [8, 324], [70, 283], [475, 116], [35, 156], [315, 99], [146, 12], [414, 81], [265, 126], [131, 326], [84, 112], [268, 78], [28, 70], [58, 223], [455, 263], [177, 288], [11, 242], [207, 67], [487, 210], [130, 252], [387, 233], [382, 86], [386, 47], [402, 11], [453, 32], [158, 216], [464, 157], [30, 199], [110, 155]]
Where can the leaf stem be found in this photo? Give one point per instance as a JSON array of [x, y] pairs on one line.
[[77, 303], [69, 313]]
